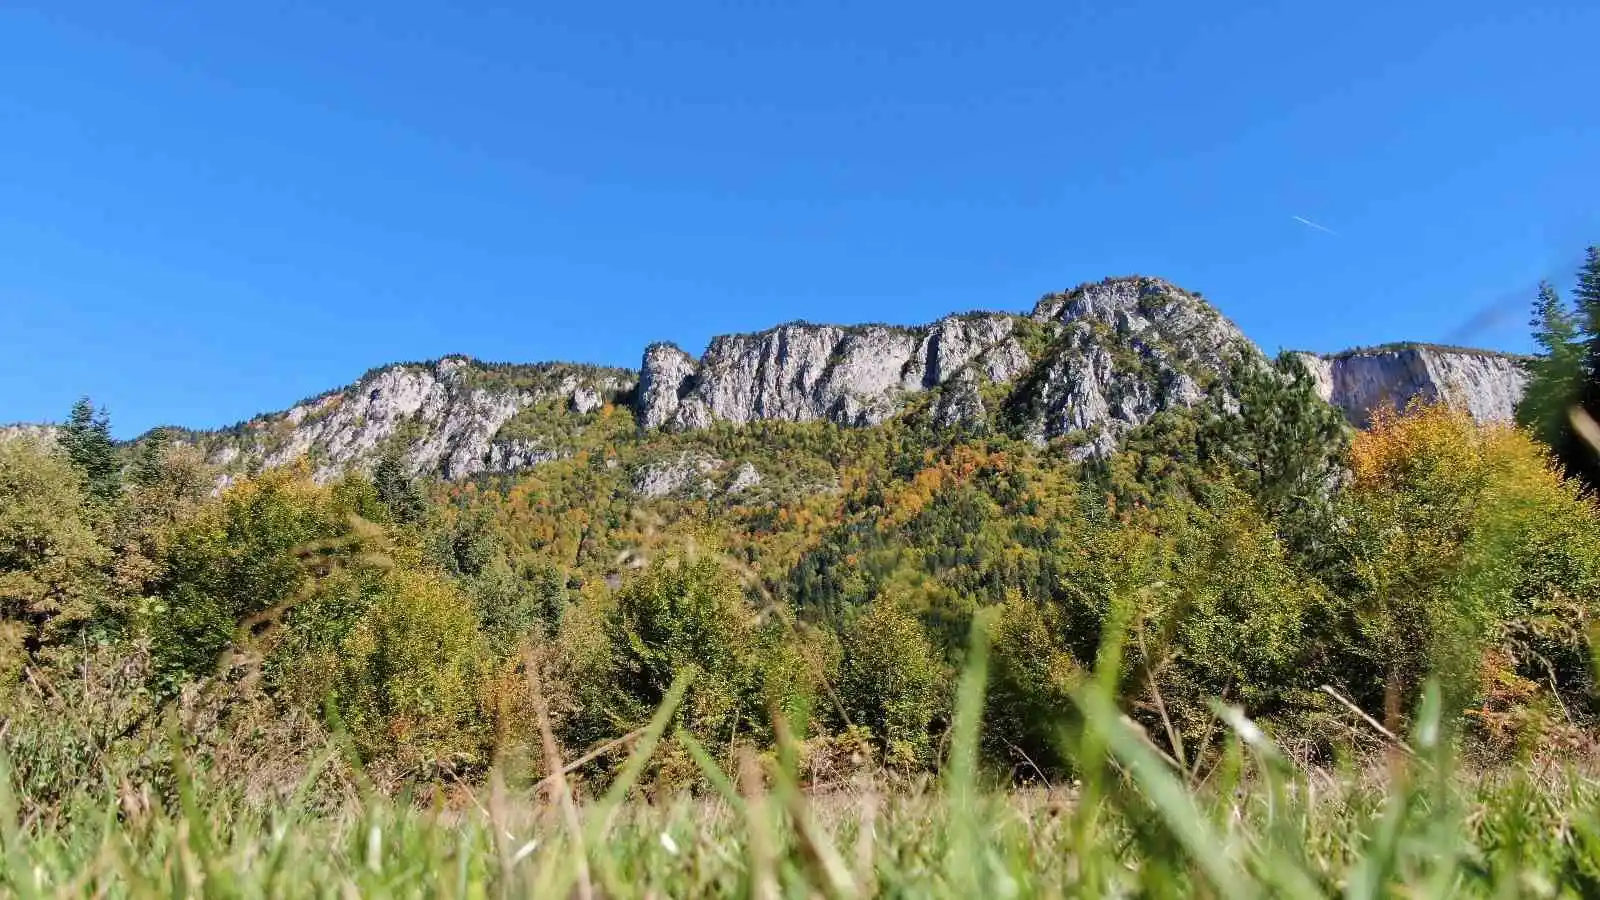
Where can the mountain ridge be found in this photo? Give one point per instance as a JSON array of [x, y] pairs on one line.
[[1084, 366]]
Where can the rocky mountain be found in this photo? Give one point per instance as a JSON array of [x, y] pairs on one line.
[[451, 418], [1087, 365], [1486, 384], [1083, 367], [22, 430], [801, 372]]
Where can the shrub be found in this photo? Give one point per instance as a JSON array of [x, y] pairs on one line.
[[1463, 537], [1031, 679], [680, 613], [411, 672], [50, 552], [889, 680], [244, 560]]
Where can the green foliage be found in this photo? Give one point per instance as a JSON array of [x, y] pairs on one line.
[[246, 557], [889, 680], [410, 672], [1228, 620], [1458, 537], [51, 553], [1566, 371], [1555, 375], [1281, 443], [1032, 677], [396, 490], [86, 439], [679, 614]]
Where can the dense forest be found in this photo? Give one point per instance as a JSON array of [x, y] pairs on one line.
[[1253, 551]]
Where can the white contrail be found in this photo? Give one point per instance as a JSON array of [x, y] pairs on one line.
[[1310, 224]]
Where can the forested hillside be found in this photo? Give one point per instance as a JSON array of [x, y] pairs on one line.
[[814, 577]]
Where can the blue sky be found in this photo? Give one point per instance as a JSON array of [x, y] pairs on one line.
[[209, 210]]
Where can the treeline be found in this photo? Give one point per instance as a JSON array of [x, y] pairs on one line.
[[1253, 550]]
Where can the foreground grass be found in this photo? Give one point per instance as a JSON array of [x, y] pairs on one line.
[[1250, 825], [1508, 838]]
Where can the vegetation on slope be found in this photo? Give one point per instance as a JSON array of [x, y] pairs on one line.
[[1188, 652]]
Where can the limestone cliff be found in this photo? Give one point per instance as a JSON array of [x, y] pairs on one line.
[[1487, 385], [451, 418], [1125, 349], [1084, 367], [799, 372], [1090, 363]]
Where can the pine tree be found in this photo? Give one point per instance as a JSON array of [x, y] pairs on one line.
[[1281, 440], [86, 438], [396, 489], [1555, 376], [147, 465], [1564, 378]]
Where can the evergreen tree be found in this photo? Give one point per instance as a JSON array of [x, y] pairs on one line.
[[1281, 441], [396, 489], [1566, 373], [86, 438], [147, 465], [1555, 376]]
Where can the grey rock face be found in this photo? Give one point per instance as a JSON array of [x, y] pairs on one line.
[[1486, 385], [746, 478], [802, 373], [676, 474], [447, 415], [1105, 358], [43, 434], [1128, 349], [663, 380]]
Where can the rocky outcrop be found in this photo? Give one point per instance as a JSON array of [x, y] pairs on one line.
[[1486, 385], [800, 372], [44, 434], [686, 471], [1128, 348], [445, 417], [1110, 355], [1084, 367]]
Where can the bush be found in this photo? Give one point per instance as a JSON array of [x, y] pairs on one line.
[[889, 680], [50, 553], [681, 613], [1463, 537], [1031, 679], [411, 672], [247, 554]]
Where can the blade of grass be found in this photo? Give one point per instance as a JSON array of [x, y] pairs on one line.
[[1174, 805]]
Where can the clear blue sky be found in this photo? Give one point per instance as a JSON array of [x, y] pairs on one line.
[[208, 211]]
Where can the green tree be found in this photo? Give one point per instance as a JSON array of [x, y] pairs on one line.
[[1462, 541], [1556, 374], [1030, 686], [1282, 442], [409, 669], [245, 559], [679, 613], [50, 552], [86, 438], [396, 489], [1566, 371], [889, 680]]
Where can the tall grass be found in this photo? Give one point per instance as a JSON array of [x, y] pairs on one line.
[[1253, 824]]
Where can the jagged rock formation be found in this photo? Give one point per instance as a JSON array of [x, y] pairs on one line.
[[1104, 358], [1085, 366], [676, 474], [41, 433], [1125, 349], [801, 372], [451, 418], [1487, 385]]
